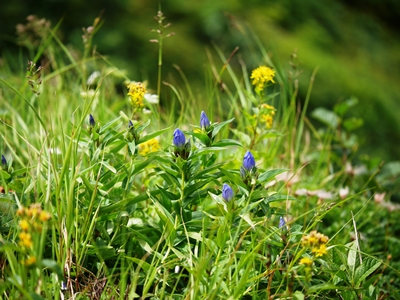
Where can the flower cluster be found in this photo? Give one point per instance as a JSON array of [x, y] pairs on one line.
[[136, 93], [261, 76], [32, 220], [266, 114], [149, 146], [317, 243]]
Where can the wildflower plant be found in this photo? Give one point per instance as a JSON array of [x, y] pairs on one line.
[[185, 211]]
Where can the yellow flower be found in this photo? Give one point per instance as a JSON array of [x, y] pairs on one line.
[[306, 261], [150, 146], [267, 119], [261, 76], [44, 216], [136, 93], [30, 261], [25, 240], [320, 251], [24, 224]]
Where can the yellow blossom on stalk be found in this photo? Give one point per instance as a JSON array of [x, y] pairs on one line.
[[261, 76], [266, 113], [24, 224], [149, 146], [31, 260], [25, 240], [306, 261], [44, 216], [321, 250], [136, 93]]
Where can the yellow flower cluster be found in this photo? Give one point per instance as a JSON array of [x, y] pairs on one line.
[[261, 76], [32, 220], [136, 93], [267, 113], [317, 243], [150, 146]]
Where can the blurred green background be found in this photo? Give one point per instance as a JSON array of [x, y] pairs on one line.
[[356, 46]]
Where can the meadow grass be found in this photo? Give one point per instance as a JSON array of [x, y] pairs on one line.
[[109, 192]]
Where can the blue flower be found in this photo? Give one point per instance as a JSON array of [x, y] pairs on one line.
[[282, 223], [179, 138], [3, 162], [130, 124], [248, 161], [227, 192], [92, 122], [204, 121]]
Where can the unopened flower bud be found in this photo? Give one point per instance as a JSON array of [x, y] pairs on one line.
[[248, 161], [227, 192]]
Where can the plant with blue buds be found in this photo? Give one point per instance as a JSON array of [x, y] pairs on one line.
[[227, 192], [248, 170], [182, 147]]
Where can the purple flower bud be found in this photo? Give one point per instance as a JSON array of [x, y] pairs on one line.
[[204, 121], [282, 223], [3, 162], [92, 122], [179, 138], [248, 161], [227, 192]]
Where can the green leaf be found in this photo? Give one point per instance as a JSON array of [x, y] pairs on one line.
[[343, 107], [218, 126], [202, 137], [279, 197], [52, 265], [323, 286], [142, 127], [166, 219], [109, 167], [326, 116], [368, 266], [246, 139], [108, 125], [227, 142], [353, 123], [234, 178], [153, 135], [352, 258], [268, 175]]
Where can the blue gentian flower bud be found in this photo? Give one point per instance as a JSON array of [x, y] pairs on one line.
[[227, 192], [179, 138], [282, 223], [204, 121], [3, 162], [248, 161], [92, 122]]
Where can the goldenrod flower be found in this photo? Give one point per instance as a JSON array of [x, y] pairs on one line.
[[24, 224], [321, 250], [267, 119], [31, 260], [261, 76], [150, 146], [136, 93], [306, 261], [44, 216], [21, 211], [25, 240]]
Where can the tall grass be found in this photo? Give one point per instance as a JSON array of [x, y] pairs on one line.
[[102, 201]]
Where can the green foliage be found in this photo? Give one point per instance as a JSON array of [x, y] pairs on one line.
[[98, 205]]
